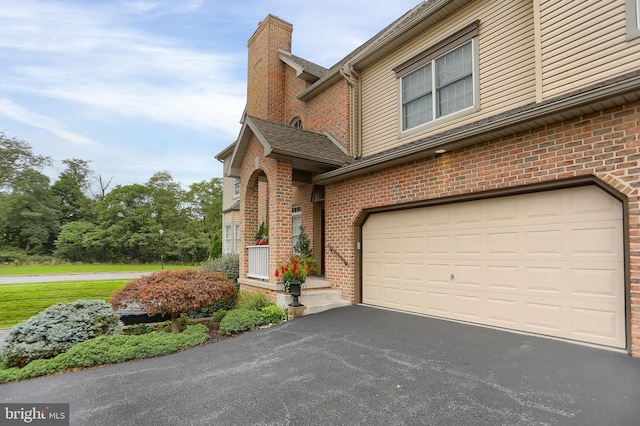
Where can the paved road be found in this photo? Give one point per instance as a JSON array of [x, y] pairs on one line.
[[21, 279], [356, 366]]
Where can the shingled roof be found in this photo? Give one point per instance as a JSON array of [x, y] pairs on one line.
[[308, 151], [305, 69]]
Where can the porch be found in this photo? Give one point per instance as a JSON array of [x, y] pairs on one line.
[[317, 294]]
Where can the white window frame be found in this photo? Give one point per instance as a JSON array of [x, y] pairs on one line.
[[468, 34], [236, 187], [632, 11], [236, 240], [227, 239], [296, 213]]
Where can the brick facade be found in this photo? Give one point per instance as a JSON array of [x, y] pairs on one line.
[[605, 145]]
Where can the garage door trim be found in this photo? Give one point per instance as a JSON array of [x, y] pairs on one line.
[[505, 192]]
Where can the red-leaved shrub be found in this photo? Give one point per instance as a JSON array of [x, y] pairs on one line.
[[174, 292]]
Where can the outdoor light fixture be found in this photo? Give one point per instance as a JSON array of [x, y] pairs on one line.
[[440, 151]]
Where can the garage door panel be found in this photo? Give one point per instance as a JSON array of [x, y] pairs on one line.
[[544, 317], [503, 278], [544, 281], [503, 312], [595, 240], [468, 277], [392, 271], [588, 203], [439, 244], [466, 216], [595, 326], [543, 242], [414, 272], [468, 306], [503, 212], [392, 246], [542, 206], [601, 283], [438, 303], [502, 244], [549, 263], [414, 245], [438, 217], [469, 243]]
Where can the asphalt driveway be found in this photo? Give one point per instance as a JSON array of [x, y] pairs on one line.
[[356, 365]]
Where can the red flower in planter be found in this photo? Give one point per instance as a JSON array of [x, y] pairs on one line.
[[294, 270]]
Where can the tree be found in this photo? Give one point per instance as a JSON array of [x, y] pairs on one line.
[[174, 292], [72, 241], [166, 199], [72, 189], [204, 202], [32, 212], [129, 229], [15, 158]]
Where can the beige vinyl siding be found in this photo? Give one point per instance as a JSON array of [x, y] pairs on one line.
[[584, 42], [507, 72], [227, 192]]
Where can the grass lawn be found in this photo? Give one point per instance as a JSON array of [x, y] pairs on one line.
[[19, 302], [7, 270]]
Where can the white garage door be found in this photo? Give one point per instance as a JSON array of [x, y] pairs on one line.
[[549, 263]]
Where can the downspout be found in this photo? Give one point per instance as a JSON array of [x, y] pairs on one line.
[[353, 78]]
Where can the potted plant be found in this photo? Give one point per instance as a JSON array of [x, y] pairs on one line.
[[294, 273], [262, 236]]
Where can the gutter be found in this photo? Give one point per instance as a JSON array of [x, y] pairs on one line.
[[536, 111]]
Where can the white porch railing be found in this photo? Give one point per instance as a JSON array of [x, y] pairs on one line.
[[258, 262]]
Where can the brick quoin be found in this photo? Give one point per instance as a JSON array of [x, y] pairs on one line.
[[564, 150]]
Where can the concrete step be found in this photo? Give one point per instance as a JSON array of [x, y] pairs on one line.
[[315, 300]]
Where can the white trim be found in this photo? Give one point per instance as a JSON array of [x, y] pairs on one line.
[[236, 240], [226, 248], [632, 15], [236, 185]]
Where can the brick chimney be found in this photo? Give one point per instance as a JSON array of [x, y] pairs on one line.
[[265, 80]]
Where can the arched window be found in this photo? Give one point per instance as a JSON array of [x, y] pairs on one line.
[[297, 123]]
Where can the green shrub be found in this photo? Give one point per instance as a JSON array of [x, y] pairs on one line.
[[252, 300], [217, 316], [210, 310], [272, 314], [10, 255], [240, 320], [138, 330], [57, 329], [228, 264], [110, 350]]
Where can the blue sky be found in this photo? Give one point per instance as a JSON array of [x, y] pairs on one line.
[[138, 87]]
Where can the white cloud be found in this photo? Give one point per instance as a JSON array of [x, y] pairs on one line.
[[22, 115], [87, 57]]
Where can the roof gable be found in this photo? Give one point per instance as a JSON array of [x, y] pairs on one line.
[[308, 151]]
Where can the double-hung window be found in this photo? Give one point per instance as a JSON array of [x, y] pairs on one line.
[[440, 81], [227, 239], [236, 187], [237, 238]]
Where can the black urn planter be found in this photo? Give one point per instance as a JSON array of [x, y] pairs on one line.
[[294, 290]]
